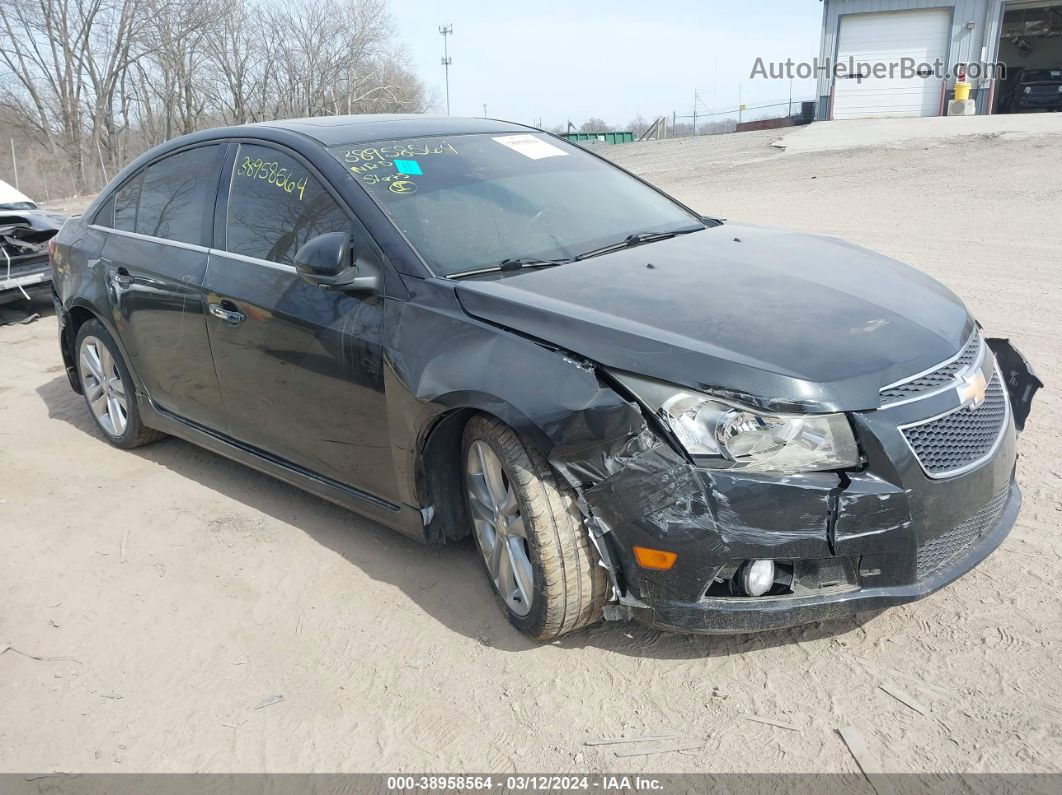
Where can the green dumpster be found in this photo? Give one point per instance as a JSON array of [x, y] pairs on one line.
[[603, 137]]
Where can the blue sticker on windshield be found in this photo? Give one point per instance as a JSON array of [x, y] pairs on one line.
[[408, 167]]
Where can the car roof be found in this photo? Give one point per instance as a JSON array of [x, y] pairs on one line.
[[325, 131], [364, 128]]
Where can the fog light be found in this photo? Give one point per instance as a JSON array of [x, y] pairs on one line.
[[757, 577]]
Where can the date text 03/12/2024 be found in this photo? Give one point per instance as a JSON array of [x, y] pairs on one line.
[[526, 783]]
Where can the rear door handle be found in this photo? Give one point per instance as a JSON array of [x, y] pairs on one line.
[[227, 311], [121, 278]]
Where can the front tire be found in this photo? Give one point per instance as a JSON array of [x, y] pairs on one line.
[[529, 531], [108, 388]]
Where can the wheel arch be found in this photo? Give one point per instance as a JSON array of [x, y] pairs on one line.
[[79, 313], [438, 470], [76, 316]]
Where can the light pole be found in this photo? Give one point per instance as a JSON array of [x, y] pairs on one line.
[[446, 31], [484, 110]]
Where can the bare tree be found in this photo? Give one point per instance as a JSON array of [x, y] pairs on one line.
[[96, 81], [593, 125]]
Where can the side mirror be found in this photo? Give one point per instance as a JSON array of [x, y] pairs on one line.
[[322, 258], [328, 261]]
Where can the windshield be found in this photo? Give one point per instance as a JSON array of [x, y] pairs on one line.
[[474, 201], [1037, 75]]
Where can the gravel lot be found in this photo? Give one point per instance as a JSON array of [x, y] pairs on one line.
[[192, 615]]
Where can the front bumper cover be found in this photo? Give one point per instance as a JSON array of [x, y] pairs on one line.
[[1042, 102], [640, 490], [733, 616]]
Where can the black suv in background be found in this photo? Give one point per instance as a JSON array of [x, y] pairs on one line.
[[1037, 89], [469, 327]]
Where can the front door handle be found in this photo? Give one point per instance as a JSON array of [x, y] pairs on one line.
[[227, 311]]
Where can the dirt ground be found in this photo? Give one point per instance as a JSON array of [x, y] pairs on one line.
[[193, 615]]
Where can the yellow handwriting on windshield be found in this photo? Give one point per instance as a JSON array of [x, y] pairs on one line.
[[381, 154], [376, 179]]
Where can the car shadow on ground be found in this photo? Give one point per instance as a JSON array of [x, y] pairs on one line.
[[447, 583], [19, 310]]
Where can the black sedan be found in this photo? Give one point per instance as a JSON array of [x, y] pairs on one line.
[[469, 327]]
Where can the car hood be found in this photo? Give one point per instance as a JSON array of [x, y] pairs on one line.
[[787, 321]]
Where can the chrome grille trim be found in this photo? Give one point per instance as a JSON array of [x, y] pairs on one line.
[[938, 378], [995, 385]]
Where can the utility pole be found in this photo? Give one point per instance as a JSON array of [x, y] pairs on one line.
[[696, 99], [446, 31], [14, 162], [484, 110]]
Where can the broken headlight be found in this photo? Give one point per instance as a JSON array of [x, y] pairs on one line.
[[723, 434]]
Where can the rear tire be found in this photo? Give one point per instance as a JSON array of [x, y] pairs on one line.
[[108, 388], [542, 564]]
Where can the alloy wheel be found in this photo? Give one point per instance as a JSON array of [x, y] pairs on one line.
[[500, 528], [103, 386]]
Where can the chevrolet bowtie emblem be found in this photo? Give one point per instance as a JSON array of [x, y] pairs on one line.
[[972, 388]]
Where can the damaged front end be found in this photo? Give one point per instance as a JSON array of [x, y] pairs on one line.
[[24, 265], [913, 514]]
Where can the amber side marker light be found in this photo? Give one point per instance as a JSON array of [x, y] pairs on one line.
[[654, 558]]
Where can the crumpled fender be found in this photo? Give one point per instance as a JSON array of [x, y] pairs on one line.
[[1019, 376]]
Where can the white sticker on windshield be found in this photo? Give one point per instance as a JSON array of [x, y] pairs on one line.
[[530, 146]]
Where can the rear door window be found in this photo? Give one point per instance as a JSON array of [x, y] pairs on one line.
[[275, 205], [178, 195]]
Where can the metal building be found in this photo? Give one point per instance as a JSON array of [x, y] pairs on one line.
[[1021, 34]]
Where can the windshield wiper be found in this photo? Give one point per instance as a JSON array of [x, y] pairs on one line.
[[637, 239], [511, 264]]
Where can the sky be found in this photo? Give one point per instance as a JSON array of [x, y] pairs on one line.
[[610, 59]]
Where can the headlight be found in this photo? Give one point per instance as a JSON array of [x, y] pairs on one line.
[[1028, 89], [723, 434]]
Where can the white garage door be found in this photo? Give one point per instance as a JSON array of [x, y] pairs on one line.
[[887, 39]]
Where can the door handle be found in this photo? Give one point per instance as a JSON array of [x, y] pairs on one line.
[[232, 317], [121, 278]]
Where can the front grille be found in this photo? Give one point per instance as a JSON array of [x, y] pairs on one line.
[[938, 552], [1041, 91], [963, 438], [938, 379]]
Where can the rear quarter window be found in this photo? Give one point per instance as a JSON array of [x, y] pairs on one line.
[[105, 215]]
